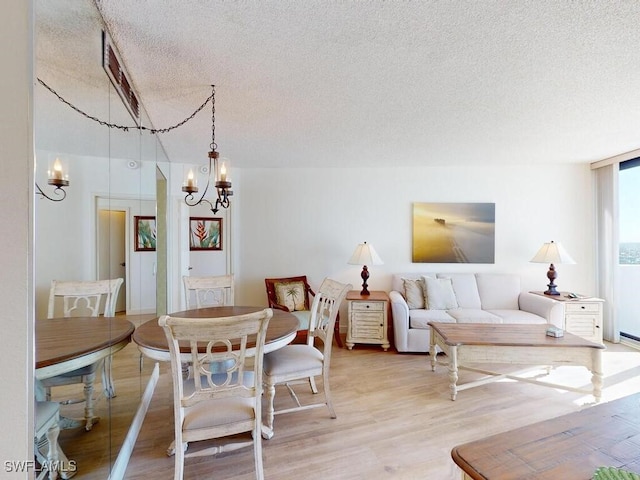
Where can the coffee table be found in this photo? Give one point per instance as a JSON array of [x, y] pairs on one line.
[[474, 343]]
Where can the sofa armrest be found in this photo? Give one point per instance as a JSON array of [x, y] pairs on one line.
[[400, 316], [547, 308]]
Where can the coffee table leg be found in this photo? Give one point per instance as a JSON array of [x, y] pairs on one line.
[[596, 373], [453, 371], [433, 351]]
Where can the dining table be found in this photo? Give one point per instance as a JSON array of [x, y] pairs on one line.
[[66, 344], [152, 342]]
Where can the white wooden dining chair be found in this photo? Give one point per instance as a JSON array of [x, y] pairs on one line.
[[208, 291], [217, 402], [84, 298], [295, 364]]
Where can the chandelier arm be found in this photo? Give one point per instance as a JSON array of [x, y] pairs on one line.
[[61, 192]]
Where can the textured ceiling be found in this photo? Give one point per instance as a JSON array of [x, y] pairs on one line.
[[375, 83]]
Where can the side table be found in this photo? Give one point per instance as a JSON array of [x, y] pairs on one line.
[[582, 315], [367, 319]]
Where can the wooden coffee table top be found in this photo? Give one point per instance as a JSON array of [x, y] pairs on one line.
[[502, 334], [571, 446]]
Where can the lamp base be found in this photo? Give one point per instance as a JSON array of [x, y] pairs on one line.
[[552, 275], [365, 276], [552, 290]]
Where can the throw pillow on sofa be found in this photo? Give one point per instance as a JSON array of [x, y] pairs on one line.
[[439, 294], [414, 292]]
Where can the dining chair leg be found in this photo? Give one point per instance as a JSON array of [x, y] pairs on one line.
[[267, 428], [52, 454]]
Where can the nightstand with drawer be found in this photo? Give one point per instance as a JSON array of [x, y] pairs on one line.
[[582, 315], [367, 319]]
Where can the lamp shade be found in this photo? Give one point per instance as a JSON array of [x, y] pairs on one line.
[[552, 252], [365, 254]]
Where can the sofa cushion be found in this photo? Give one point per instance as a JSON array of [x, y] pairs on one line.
[[414, 292], [439, 294], [474, 315], [465, 288], [518, 316], [421, 318], [498, 291]]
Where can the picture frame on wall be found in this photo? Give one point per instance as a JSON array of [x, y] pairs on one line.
[[205, 233], [145, 233], [454, 233]]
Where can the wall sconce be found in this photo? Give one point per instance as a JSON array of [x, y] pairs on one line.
[[552, 253], [57, 178], [365, 255], [219, 171]]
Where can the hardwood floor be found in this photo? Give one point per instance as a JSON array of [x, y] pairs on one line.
[[395, 420]]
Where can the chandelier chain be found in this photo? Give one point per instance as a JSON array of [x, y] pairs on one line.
[[213, 145], [124, 127]]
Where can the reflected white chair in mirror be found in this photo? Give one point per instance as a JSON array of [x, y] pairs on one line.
[[46, 439], [223, 397], [208, 291], [295, 364], [84, 298]]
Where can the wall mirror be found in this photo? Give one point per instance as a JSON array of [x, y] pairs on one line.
[[90, 235]]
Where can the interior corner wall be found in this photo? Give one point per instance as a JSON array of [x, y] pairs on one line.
[[309, 220], [16, 231]]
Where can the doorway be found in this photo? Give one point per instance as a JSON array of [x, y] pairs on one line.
[[112, 251]]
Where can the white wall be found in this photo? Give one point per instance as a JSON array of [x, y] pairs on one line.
[[16, 202], [309, 221]]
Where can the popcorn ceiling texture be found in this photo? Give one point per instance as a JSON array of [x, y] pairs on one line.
[[377, 83]]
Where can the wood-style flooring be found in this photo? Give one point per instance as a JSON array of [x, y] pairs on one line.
[[395, 420]]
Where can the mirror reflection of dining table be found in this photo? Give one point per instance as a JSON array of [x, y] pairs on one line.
[[66, 344], [152, 342]]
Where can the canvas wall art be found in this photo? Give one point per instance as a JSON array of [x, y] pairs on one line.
[[205, 233], [454, 232], [145, 234]]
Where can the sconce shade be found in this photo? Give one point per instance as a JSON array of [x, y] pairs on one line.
[[552, 253], [365, 255]]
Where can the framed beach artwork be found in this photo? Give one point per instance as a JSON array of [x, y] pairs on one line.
[[145, 234], [454, 232], [205, 233]]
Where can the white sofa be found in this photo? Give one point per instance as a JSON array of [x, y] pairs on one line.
[[476, 298]]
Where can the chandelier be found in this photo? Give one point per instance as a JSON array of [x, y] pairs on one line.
[[219, 172], [58, 179]]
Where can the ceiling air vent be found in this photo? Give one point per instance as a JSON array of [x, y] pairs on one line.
[[115, 71]]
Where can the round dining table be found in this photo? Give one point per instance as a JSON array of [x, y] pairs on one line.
[[152, 342], [66, 344]]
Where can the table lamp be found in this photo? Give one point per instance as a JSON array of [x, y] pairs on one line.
[[552, 253], [365, 255]]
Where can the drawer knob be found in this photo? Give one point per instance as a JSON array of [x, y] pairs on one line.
[[367, 306], [582, 307]]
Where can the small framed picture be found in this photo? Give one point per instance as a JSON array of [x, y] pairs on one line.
[[205, 233], [145, 234]]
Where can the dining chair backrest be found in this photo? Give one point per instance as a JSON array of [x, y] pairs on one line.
[[85, 298], [223, 395], [208, 291], [324, 311]]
